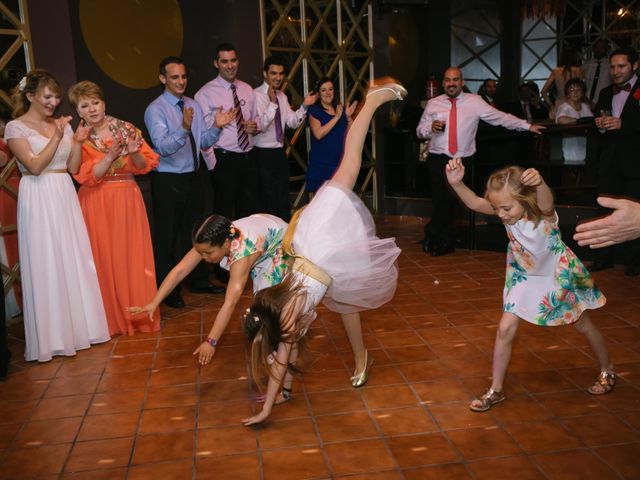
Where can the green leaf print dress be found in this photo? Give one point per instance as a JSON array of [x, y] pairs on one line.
[[260, 232], [546, 284]]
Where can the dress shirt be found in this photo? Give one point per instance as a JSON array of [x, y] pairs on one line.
[[267, 111], [217, 93], [619, 99], [471, 108], [163, 119], [604, 79]]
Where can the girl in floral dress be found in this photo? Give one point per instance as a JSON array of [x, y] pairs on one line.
[[546, 284], [248, 247]]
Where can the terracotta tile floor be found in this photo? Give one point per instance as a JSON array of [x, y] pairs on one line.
[[139, 407]]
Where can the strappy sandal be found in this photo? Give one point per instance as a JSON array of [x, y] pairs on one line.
[[488, 400], [605, 383], [285, 396]]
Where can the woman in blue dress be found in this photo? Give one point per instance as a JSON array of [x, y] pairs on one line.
[[329, 121]]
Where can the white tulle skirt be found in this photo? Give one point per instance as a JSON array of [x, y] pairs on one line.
[[338, 234]]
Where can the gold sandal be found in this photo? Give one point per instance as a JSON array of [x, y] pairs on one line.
[[605, 383], [488, 400]]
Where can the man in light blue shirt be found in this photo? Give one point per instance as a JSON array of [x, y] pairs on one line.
[[178, 133]]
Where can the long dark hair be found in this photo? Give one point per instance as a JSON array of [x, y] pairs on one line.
[[263, 321], [214, 230], [321, 82]]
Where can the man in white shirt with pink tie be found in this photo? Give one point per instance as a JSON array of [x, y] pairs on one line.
[[450, 121]]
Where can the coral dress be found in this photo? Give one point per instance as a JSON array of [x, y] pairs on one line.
[[546, 284], [260, 232], [9, 239], [118, 228], [336, 232], [62, 305]]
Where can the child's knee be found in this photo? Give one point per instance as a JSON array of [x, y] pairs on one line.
[[508, 327], [583, 325]]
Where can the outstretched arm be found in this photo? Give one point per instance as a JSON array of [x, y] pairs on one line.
[[290, 313], [277, 374], [454, 171], [171, 281], [238, 275], [620, 226]]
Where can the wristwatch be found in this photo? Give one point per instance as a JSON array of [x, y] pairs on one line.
[[212, 341]]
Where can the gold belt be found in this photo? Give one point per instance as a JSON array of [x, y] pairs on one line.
[[307, 267], [53, 170], [118, 177]]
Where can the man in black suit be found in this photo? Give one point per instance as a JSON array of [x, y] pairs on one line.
[[618, 108], [528, 106]]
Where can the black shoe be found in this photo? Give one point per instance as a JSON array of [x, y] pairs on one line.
[[174, 301], [631, 270], [443, 249], [207, 289], [4, 363], [599, 265], [426, 245]]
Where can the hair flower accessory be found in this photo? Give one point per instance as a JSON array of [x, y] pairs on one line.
[[22, 84], [232, 231]]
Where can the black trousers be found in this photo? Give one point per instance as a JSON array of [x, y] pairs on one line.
[[443, 199], [273, 181], [235, 184], [177, 201], [614, 182]]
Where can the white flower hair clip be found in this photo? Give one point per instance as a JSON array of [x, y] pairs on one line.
[[256, 318], [22, 84]]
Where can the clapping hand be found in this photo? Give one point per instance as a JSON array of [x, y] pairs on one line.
[[310, 99], [187, 118], [134, 144], [60, 124], [82, 132], [222, 118], [251, 127], [352, 108]]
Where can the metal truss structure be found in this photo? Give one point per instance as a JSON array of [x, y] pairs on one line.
[[583, 22], [16, 56], [319, 38]]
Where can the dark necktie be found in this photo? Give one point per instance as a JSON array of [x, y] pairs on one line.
[[594, 85], [243, 138], [453, 127], [278, 120], [192, 141], [617, 89]]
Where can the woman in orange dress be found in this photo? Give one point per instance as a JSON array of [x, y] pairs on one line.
[[114, 211]]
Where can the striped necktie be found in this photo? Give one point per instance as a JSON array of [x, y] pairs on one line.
[[243, 137]]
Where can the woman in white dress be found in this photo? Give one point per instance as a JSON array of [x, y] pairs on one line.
[[63, 310], [338, 260]]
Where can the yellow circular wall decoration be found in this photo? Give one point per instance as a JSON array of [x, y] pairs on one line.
[[127, 39]]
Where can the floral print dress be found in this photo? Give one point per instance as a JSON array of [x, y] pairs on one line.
[[263, 233], [546, 284]]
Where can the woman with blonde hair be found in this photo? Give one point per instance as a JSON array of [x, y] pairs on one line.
[[63, 309]]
